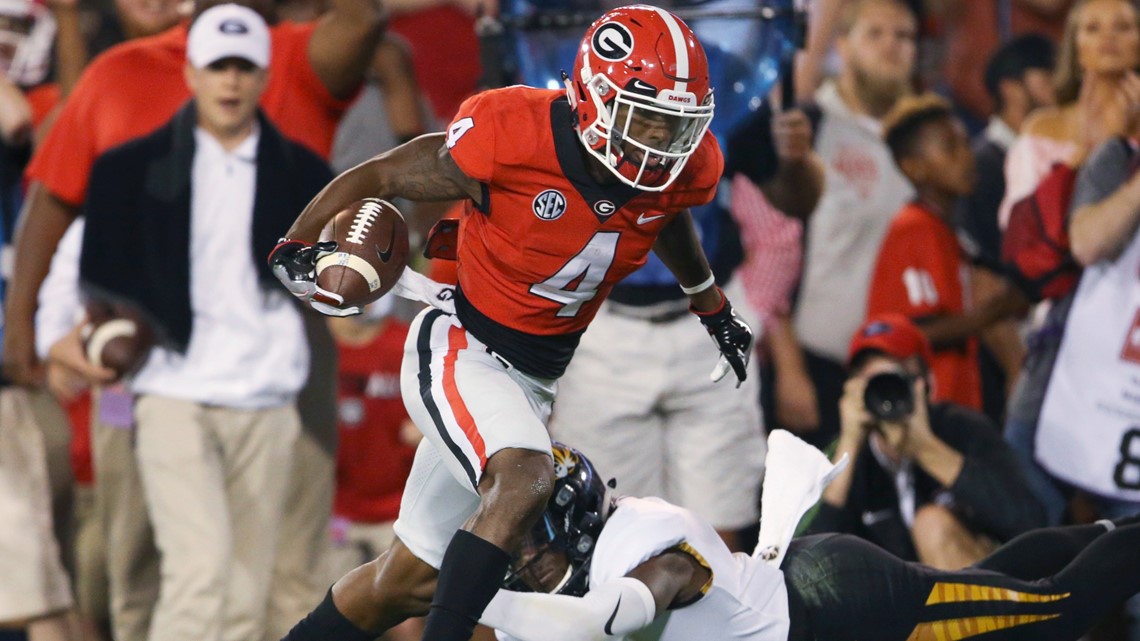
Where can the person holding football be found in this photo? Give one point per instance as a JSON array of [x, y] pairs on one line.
[[566, 193]]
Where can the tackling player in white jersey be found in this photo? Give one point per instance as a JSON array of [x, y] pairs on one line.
[[609, 568]]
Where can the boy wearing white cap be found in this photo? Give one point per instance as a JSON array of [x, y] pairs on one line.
[[177, 223]]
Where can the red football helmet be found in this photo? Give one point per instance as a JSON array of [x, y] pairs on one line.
[[642, 96]]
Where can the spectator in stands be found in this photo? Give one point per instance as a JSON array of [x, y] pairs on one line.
[[1087, 435], [1018, 79], [1099, 45], [1100, 48], [60, 310], [771, 197], [974, 33], [38, 481], [214, 456], [862, 190], [921, 272], [127, 93], [933, 482]]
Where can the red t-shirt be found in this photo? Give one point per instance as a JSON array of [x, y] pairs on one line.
[[545, 255], [79, 415], [920, 274], [372, 463], [134, 88]]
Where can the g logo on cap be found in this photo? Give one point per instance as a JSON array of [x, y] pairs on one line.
[[612, 41], [233, 27]]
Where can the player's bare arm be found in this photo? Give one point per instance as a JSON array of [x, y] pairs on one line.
[[44, 220], [613, 609], [677, 246], [420, 170], [343, 43]]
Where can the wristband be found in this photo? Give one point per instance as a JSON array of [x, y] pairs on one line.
[[695, 289]]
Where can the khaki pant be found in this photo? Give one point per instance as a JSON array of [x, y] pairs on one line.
[[120, 506], [91, 594], [215, 481], [32, 579]]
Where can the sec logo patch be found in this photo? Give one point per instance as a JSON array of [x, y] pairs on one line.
[[549, 205]]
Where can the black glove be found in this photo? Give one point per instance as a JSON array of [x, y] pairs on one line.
[[294, 263], [733, 337]]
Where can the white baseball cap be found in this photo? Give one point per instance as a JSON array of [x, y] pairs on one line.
[[228, 31]]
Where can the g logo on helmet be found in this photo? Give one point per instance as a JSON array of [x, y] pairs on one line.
[[612, 41], [549, 205]]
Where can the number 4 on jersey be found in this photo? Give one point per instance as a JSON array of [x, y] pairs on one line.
[[584, 271], [457, 129]]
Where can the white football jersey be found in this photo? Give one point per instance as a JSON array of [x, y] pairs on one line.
[[744, 600]]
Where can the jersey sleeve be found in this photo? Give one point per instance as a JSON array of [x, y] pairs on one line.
[[472, 135], [638, 530], [907, 279], [62, 162]]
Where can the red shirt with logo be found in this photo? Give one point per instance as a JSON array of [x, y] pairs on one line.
[[550, 243], [921, 274], [372, 462]]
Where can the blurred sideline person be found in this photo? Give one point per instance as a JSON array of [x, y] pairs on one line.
[[1018, 79], [215, 414], [128, 92], [862, 190], [928, 482], [922, 271]]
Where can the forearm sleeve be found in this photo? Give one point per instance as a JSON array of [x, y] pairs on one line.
[[618, 608]]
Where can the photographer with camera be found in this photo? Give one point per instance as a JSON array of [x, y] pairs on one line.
[[932, 483]]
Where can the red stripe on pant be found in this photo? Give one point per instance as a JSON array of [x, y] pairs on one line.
[[457, 340]]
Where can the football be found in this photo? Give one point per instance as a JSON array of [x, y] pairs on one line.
[[371, 253], [116, 338]]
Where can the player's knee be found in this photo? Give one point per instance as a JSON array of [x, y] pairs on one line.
[[521, 480]]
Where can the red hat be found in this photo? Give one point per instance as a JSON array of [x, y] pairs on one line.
[[893, 334]]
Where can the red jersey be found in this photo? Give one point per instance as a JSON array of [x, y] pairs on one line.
[[372, 462], [549, 242], [921, 274], [135, 87]]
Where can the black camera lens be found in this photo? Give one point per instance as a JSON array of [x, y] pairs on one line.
[[889, 396]]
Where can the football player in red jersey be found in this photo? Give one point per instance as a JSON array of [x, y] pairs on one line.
[[566, 192]]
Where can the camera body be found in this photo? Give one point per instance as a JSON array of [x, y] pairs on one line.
[[889, 396]]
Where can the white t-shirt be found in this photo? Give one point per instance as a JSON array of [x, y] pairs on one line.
[[248, 348], [864, 189]]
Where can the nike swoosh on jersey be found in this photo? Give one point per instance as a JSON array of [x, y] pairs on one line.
[[642, 218], [610, 622]]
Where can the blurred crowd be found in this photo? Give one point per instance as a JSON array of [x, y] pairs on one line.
[[937, 243]]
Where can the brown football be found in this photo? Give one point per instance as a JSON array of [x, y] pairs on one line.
[[371, 253], [116, 337]]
